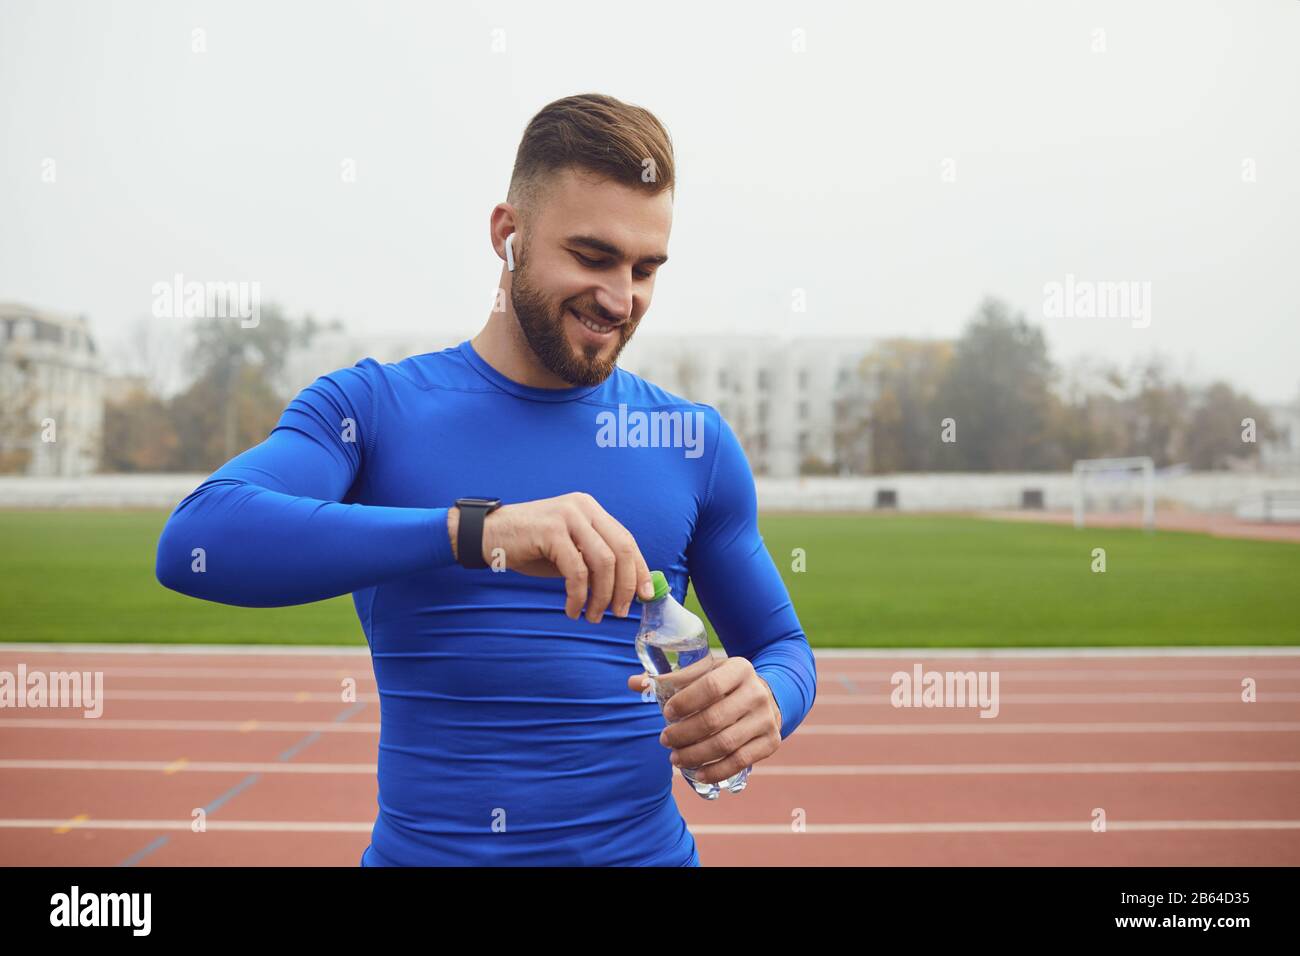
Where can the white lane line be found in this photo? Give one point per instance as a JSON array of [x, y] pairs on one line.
[[200, 766], [242, 726], [1265, 695], [333, 697], [992, 726], [976, 769], [365, 673], [155, 766], [1062, 652], [975, 726], [1034, 826], [823, 700], [766, 769], [1139, 697], [227, 650], [707, 829], [1084, 676], [273, 826], [331, 650], [200, 672], [271, 696]]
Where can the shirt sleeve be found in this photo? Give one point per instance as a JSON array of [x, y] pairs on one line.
[[740, 588], [269, 528]]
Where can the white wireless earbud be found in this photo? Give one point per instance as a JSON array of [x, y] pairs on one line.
[[510, 253]]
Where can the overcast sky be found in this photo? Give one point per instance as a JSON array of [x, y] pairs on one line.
[[910, 159]]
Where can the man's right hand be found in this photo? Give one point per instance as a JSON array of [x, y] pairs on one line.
[[573, 537]]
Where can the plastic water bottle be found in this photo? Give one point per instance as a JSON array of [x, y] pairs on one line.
[[672, 638]]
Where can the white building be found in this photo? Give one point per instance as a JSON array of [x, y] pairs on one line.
[[1282, 454], [792, 402], [51, 393], [333, 349]]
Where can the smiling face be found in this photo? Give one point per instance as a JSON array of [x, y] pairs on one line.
[[585, 271]]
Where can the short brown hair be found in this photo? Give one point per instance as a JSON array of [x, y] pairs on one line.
[[596, 133]]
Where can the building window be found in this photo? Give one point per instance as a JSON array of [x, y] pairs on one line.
[[762, 378], [803, 378], [803, 411]]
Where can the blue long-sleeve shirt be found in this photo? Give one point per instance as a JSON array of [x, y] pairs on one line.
[[508, 734]]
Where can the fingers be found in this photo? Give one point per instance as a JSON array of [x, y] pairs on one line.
[[645, 584], [704, 732], [562, 552], [627, 557], [732, 731], [675, 681], [748, 754], [721, 680], [728, 735], [600, 561], [628, 572], [748, 734]]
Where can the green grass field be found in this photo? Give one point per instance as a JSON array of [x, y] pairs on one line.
[[870, 581]]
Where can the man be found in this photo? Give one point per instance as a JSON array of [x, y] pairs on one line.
[[508, 734]]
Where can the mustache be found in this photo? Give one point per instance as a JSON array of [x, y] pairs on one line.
[[596, 312]]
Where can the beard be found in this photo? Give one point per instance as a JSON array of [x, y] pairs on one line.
[[543, 327]]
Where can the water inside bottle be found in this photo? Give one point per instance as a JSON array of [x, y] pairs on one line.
[[671, 638]]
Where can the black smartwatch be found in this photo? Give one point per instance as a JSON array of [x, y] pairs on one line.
[[469, 533]]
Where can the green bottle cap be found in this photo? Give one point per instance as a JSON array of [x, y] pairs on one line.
[[661, 586]]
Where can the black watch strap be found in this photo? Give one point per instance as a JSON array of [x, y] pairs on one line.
[[469, 532]]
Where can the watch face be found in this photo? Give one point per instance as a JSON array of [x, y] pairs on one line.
[[484, 502]]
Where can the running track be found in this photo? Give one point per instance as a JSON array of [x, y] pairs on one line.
[[1186, 773]]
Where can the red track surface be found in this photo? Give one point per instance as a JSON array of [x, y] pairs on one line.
[[1186, 773]]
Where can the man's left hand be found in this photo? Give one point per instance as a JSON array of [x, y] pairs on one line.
[[727, 719]]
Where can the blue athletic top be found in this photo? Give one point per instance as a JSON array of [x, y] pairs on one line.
[[508, 734]]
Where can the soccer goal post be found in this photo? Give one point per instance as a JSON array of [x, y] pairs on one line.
[[1115, 472]]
